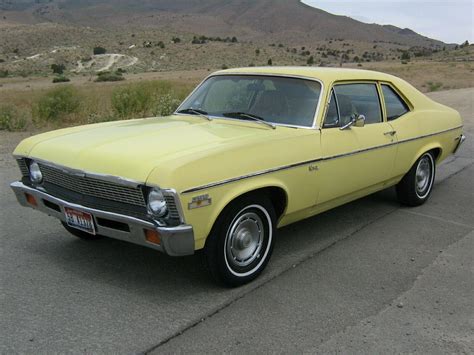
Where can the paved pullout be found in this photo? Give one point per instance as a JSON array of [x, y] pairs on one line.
[[368, 268]]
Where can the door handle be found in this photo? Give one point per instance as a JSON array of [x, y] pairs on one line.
[[390, 133]]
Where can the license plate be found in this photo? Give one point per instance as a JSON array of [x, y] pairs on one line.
[[79, 220]]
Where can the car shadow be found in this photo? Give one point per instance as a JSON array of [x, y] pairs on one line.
[[147, 272]]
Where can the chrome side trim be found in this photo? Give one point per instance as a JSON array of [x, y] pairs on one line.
[[263, 172], [230, 73]]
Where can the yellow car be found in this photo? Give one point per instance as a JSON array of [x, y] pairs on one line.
[[250, 150]]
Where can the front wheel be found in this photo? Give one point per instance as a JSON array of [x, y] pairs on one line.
[[241, 241], [415, 187]]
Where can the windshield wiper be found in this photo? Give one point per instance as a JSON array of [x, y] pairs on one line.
[[249, 116], [195, 111]]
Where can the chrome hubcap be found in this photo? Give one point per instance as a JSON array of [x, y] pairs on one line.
[[423, 175], [244, 240]]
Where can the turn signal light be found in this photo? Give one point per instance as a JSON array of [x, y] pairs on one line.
[[152, 236], [31, 200]]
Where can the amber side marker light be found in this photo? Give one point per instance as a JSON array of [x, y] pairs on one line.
[[152, 236], [31, 199]]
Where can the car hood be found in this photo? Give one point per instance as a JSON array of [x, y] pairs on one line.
[[132, 149]]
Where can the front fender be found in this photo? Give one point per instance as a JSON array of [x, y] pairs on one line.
[[203, 219]]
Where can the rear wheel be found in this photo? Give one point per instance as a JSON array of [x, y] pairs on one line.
[[416, 186], [80, 234], [241, 242]]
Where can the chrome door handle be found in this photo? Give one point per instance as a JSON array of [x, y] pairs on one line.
[[390, 133]]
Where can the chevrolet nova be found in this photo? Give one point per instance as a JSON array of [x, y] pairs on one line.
[[250, 150]]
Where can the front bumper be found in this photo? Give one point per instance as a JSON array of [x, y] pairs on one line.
[[174, 241], [460, 140]]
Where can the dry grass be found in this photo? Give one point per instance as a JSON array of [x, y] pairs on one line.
[[160, 89], [95, 102]]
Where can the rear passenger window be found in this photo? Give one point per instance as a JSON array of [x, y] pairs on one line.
[[358, 99], [395, 106]]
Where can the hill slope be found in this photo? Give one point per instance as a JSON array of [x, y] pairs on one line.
[[249, 19]]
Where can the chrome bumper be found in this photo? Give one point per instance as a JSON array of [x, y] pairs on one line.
[[460, 140], [175, 241]]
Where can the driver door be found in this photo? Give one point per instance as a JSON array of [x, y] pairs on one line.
[[355, 159]]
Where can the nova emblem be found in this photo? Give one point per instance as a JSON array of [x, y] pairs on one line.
[[199, 201], [312, 168]]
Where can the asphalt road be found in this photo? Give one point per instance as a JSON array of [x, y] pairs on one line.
[[368, 277]]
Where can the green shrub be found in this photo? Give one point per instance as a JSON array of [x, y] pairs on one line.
[[56, 104], [3, 73], [144, 99], [131, 100], [61, 79], [434, 86], [166, 105], [109, 76], [405, 56], [11, 119], [58, 68], [99, 50]]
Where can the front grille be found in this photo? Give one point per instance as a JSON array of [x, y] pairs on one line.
[[23, 167], [99, 194], [93, 187], [172, 208]]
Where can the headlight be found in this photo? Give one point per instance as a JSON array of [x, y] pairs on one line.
[[157, 203], [35, 173]]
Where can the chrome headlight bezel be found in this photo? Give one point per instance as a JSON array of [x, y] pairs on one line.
[[36, 176], [156, 203]]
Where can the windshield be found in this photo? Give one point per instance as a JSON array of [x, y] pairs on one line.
[[279, 100]]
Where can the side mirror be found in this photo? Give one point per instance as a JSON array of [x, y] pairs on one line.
[[356, 120], [360, 121]]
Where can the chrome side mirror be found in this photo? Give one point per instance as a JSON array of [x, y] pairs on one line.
[[356, 120], [360, 121]]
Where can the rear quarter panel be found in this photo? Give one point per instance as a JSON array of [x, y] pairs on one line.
[[429, 125]]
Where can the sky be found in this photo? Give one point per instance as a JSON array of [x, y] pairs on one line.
[[450, 21]]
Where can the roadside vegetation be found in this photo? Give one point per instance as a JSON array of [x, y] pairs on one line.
[[69, 105], [12, 119]]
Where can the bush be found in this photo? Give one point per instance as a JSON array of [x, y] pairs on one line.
[[270, 61], [434, 86], [99, 50], [11, 119], [109, 76], [61, 79], [224, 67], [310, 60], [3, 73], [56, 104], [165, 105], [58, 68], [405, 56], [131, 100], [145, 99]]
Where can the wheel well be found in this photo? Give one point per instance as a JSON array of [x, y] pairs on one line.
[[276, 195], [436, 153]]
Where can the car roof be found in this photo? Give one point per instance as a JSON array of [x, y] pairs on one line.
[[324, 74]]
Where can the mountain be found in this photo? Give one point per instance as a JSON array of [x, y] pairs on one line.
[[275, 20]]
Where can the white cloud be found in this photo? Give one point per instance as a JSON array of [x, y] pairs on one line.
[[449, 21]]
